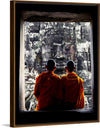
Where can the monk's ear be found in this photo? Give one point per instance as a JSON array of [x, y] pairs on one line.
[[54, 68], [66, 68], [46, 67], [74, 68]]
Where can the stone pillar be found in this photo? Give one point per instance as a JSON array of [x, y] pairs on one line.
[[21, 70]]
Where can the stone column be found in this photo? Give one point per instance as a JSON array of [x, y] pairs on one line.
[[21, 70]]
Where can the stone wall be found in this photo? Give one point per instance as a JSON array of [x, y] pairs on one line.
[[61, 42]]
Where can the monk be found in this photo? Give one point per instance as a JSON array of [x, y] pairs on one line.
[[72, 88], [46, 87]]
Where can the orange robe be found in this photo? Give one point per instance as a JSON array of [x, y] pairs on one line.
[[46, 86], [72, 90]]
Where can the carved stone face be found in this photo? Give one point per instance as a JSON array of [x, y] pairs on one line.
[[58, 41]]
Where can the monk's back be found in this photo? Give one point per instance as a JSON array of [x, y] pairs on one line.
[[72, 88], [49, 82], [70, 85]]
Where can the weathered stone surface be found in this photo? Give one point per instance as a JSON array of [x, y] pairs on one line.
[[61, 42]]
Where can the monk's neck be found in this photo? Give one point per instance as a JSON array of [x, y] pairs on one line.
[[70, 72], [51, 72]]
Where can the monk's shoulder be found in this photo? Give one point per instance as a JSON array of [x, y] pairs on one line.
[[41, 75], [63, 77], [56, 76], [80, 79]]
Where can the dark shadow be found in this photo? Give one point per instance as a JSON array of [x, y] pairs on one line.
[[6, 125]]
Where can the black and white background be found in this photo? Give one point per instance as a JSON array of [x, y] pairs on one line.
[[61, 41]]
